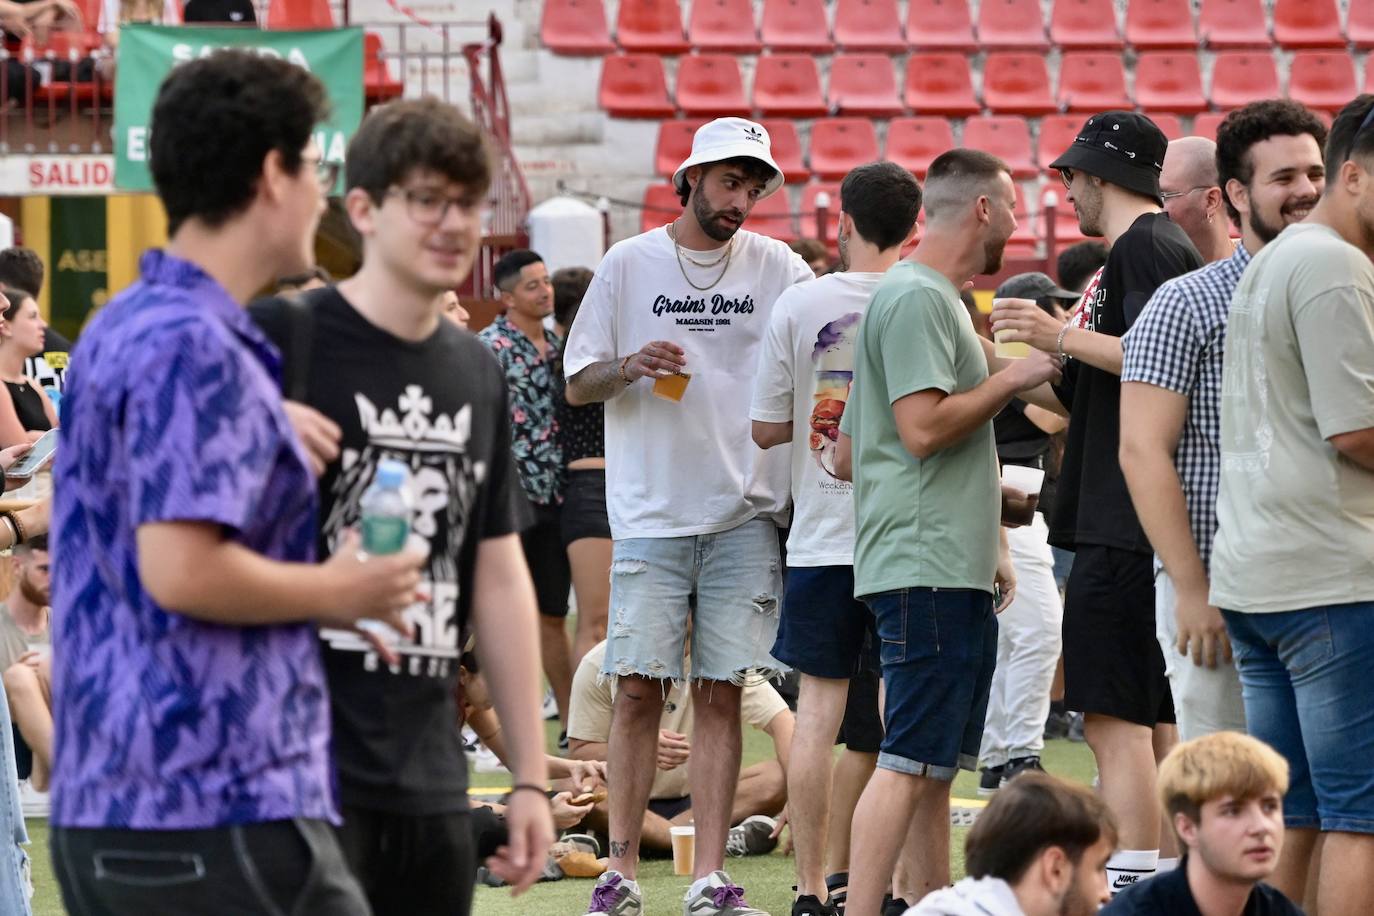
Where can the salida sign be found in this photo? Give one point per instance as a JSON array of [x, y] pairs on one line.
[[147, 53], [56, 175]]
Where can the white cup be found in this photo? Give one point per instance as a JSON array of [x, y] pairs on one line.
[[684, 848], [1027, 480]]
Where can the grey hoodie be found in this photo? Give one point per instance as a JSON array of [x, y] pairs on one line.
[[970, 897]]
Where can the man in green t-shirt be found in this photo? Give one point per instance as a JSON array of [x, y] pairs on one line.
[[927, 506]]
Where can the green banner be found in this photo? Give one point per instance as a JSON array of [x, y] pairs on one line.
[[77, 253], [147, 53]]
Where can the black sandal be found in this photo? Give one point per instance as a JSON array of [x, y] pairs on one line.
[[837, 886]]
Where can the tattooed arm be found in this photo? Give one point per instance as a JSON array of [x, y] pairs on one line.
[[603, 381]]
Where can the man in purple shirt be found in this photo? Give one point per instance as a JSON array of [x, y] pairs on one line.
[[189, 699]]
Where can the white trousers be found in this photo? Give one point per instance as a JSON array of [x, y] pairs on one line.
[[1206, 700], [1029, 640]]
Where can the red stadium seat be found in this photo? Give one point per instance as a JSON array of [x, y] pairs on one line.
[[1066, 230], [1160, 25], [1015, 83], [939, 25], [839, 144], [1169, 81], [292, 14], [674, 145], [1322, 80], [940, 83], [913, 143], [723, 25], [1012, 25], [864, 84], [773, 216], [1359, 25], [1206, 124], [661, 207], [574, 27], [869, 25], [1090, 82], [786, 148], [378, 85], [1240, 77], [796, 25], [710, 86], [1057, 133], [1170, 124], [1023, 238], [651, 26], [1310, 23], [1233, 24], [1089, 25], [788, 86], [632, 86], [809, 228], [1006, 137]]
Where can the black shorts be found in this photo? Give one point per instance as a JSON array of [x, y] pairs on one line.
[[669, 808], [862, 728], [1112, 662], [412, 864], [584, 506], [292, 866], [548, 561]]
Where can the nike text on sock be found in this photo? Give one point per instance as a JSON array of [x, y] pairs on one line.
[[1130, 866]]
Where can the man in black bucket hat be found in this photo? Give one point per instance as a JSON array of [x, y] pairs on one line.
[[1113, 668]]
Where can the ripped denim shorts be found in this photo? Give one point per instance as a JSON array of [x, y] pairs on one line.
[[729, 584]]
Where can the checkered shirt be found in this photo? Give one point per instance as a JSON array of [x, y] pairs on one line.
[[1177, 344]]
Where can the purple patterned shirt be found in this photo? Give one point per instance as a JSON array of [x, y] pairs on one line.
[[172, 412]]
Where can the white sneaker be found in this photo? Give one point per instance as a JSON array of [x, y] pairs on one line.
[[616, 895], [752, 836], [550, 706], [32, 802], [486, 761], [719, 897]]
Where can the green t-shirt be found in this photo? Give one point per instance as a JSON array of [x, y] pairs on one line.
[[928, 523]]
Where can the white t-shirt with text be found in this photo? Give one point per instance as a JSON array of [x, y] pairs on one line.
[[806, 367], [675, 469]]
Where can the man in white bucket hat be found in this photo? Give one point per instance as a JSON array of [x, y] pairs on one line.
[[668, 337]]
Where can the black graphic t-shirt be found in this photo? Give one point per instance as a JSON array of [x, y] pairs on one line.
[[439, 406], [1092, 505], [1169, 893]]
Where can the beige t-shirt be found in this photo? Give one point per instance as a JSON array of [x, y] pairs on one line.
[[590, 716], [1295, 516], [14, 642]]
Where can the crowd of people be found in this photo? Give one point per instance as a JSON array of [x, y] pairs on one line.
[[739, 460]]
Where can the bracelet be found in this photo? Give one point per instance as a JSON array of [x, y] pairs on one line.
[[528, 787], [14, 534], [1059, 344], [623, 377], [20, 536]]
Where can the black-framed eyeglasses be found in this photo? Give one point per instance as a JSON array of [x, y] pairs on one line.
[[1170, 195], [326, 173], [428, 208], [1066, 176]]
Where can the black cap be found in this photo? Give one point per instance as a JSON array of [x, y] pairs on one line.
[[1033, 285], [1123, 148]]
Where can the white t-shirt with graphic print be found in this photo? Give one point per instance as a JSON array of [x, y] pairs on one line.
[[675, 469]]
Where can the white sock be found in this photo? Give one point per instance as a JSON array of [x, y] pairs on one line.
[[1129, 866], [1166, 865]]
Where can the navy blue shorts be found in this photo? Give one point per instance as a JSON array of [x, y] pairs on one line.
[[824, 631], [938, 649]]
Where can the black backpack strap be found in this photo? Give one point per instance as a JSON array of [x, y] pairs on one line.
[[300, 319]]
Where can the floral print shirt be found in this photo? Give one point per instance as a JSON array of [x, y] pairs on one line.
[[533, 407]]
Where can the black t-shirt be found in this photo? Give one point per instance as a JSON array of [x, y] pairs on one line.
[[440, 407], [1169, 895], [234, 12], [1020, 441], [1093, 505]]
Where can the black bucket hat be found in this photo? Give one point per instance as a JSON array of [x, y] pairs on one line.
[[1124, 148]]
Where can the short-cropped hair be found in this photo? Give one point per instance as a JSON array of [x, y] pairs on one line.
[[506, 271], [1032, 813], [1216, 766], [1352, 136], [959, 177], [409, 135], [882, 199], [22, 267]]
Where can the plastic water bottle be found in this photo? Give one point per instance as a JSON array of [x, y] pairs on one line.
[[386, 510]]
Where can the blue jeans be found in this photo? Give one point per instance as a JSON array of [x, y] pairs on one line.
[[938, 648], [14, 834], [1305, 679]]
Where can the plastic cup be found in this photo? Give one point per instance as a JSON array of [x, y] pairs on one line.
[[672, 387], [1028, 481], [1009, 349], [684, 849]]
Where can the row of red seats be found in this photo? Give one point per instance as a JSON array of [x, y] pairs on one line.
[[711, 85], [802, 26]]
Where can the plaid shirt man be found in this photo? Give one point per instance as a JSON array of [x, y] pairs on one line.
[[1177, 344]]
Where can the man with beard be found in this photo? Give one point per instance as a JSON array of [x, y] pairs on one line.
[[693, 502], [1223, 795], [1193, 196], [1269, 157], [1038, 849], [928, 556], [1293, 561], [1113, 669], [26, 655]]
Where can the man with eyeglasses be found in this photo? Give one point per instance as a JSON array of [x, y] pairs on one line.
[[1192, 196], [1293, 561], [1113, 669], [388, 378]]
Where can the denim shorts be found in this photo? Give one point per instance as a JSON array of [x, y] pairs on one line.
[[728, 583], [825, 631], [938, 649], [1305, 679]]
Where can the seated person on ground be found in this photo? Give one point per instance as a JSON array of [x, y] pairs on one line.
[[1223, 796], [1039, 848], [26, 654], [762, 790]]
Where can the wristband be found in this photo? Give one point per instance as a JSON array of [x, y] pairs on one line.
[[528, 787], [623, 377], [1059, 344], [20, 536]]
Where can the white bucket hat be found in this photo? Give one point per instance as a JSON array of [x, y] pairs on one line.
[[730, 138]]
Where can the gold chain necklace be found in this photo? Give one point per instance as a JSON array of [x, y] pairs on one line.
[[677, 249]]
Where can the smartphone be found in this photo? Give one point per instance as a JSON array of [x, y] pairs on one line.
[[36, 458]]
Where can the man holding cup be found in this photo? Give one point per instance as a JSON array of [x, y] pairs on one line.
[[693, 503]]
